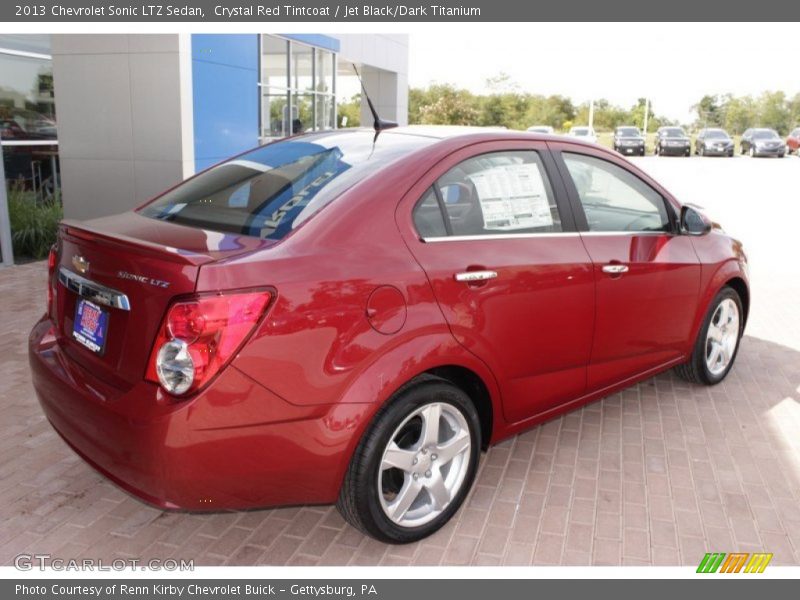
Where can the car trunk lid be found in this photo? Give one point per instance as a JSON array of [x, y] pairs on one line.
[[130, 267]]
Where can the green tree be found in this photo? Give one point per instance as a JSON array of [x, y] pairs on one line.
[[710, 111], [740, 113], [445, 105], [348, 113], [774, 112]]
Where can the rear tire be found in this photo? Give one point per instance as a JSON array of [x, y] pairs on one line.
[[704, 366], [402, 483]]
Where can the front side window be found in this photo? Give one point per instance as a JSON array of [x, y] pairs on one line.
[[613, 198], [491, 194]]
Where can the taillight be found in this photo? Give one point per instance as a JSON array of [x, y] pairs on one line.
[[200, 336], [52, 261]]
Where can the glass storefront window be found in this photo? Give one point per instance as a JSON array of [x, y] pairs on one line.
[[325, 112], [275, 121], [324, 72], [274, 62], [27, 107], [34, 43], [301, 68], [298, 88], [30, 173], [302, 113]]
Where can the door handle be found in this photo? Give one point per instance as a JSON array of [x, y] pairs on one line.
[[615, 269], [470, 276]]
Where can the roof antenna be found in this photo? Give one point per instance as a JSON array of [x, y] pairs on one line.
[[378, 123]]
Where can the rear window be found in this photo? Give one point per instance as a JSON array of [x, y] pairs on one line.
[[271, 190]]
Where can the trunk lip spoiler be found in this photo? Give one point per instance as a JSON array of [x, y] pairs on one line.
[[93, 291], [74, 229]]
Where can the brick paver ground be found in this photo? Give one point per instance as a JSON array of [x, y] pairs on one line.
[[657, 474]]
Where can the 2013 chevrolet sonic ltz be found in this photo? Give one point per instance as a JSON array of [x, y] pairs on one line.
[[350, 317]]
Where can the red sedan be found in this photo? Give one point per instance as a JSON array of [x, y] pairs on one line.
[[793, 141], [333, 318]]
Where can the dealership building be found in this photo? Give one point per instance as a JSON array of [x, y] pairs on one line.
[[104, 122]]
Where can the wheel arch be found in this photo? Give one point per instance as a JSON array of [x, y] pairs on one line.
[[741, 288], [435, 354], [469, 382], [729, 273]]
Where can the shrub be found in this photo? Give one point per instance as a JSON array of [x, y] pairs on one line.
[[34, 224]]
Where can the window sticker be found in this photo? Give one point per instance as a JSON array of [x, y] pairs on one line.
[[512, 197]]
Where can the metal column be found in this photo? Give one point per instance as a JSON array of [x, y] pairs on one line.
[[5, 221]]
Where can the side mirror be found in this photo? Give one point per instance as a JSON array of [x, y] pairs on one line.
[[693, 223]]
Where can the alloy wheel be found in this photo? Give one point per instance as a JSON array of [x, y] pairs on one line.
[[424, 464], [722, 336]]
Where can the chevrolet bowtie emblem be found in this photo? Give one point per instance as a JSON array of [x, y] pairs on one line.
[[81, 264]]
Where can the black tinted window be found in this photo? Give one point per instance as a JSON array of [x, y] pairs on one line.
[[615, 199], [428, 216], [497, 193], [269, 191]]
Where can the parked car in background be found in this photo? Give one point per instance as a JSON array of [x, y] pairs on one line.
[[713, 142], [338, 317], [586, 134], [672, 141], [793, 141], [541, 129], [760, 141], [628, 140]]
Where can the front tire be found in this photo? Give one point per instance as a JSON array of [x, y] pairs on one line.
[[718, 341], [415, 464]]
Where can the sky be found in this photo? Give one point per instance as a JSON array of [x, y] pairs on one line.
[[674, 64]]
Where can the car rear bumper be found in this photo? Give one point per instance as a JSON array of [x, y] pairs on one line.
[[769, 152], [711, 151], [236, 445], [630, 150], [674, 150]]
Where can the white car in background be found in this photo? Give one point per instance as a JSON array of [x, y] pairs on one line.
[[541, 129], [587, 134]]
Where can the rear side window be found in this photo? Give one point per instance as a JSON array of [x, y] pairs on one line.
[[492, 194], [271, 190], [614, 199]]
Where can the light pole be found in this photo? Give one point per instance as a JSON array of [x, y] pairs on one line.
[[646, 115], [591, 114], [5, 221]]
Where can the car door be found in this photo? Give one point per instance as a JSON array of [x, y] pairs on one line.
[[495, 235], [647, 275]]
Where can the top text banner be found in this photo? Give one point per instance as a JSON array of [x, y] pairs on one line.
[[49, 11]]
